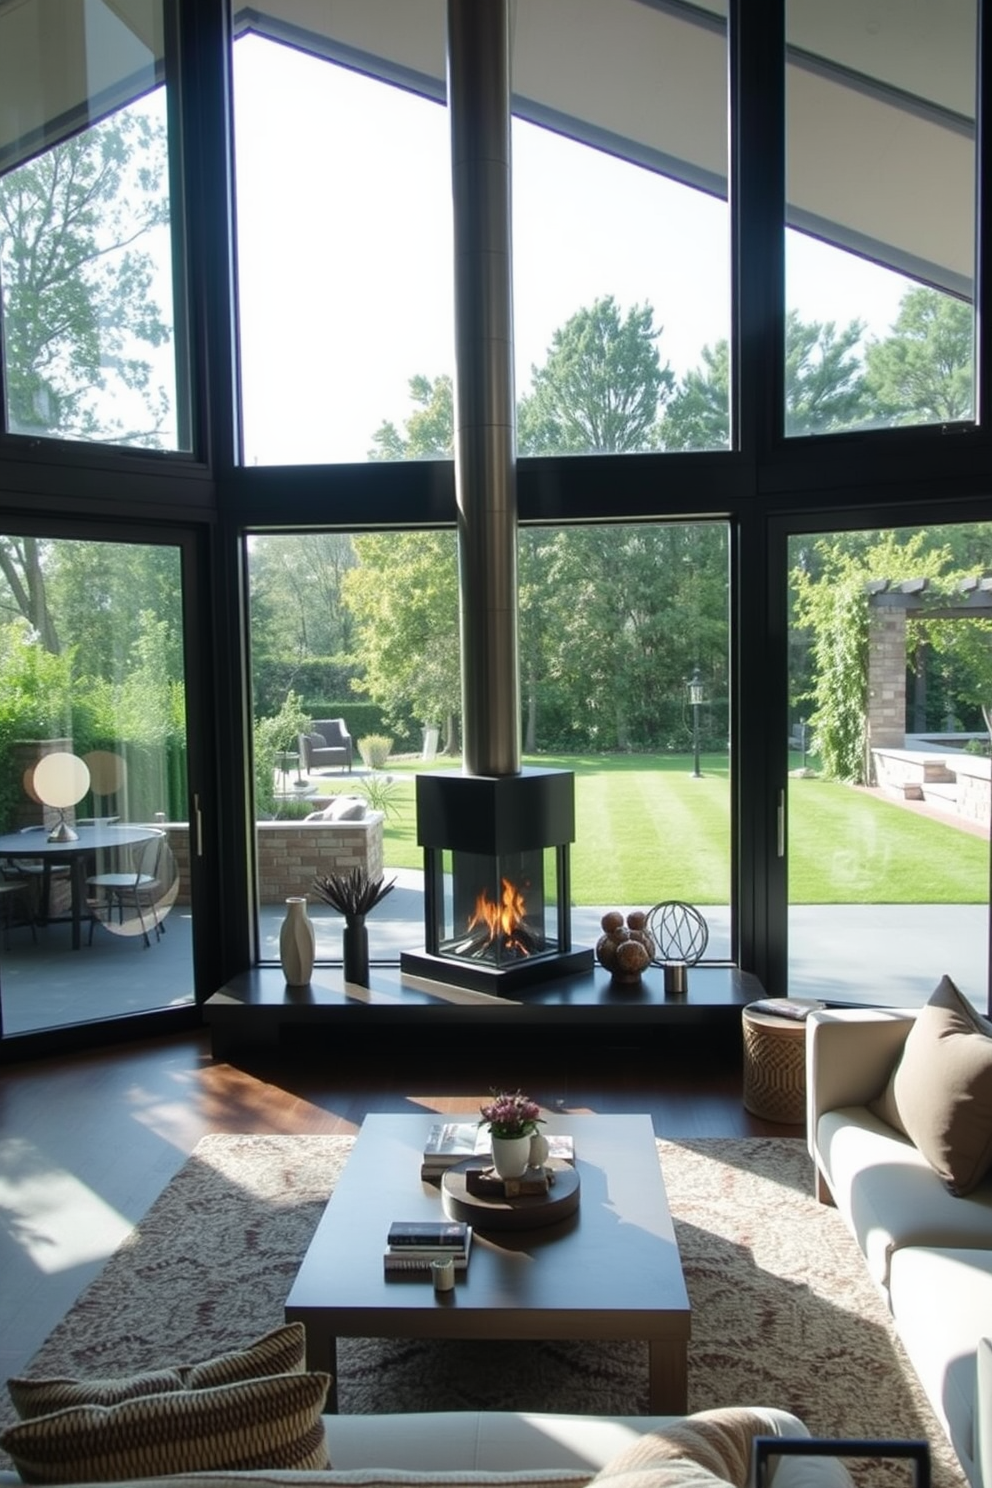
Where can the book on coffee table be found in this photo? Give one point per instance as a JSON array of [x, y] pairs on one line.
[[449, 1142], [403, 1258], [427, 1234]]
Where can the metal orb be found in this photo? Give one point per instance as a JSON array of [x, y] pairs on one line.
[[680, 932]]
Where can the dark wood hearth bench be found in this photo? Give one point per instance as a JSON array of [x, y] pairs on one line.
[[256, 1008]]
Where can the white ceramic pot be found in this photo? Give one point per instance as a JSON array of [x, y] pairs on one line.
[[511, 1156], [297, 944]]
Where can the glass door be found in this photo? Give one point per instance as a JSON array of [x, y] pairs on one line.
[[888, 793], [94, 814]]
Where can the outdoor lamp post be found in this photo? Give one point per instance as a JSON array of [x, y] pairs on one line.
[[695, 685]]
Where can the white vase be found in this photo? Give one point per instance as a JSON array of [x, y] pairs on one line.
[[511, 1156], [539, 1150], [297, 944]]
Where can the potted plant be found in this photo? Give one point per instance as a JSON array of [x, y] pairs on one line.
[[513, 1120]]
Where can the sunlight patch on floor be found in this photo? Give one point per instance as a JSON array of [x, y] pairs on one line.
[[56, 1220]]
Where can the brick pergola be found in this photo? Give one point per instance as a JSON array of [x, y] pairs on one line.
[[891, 606]]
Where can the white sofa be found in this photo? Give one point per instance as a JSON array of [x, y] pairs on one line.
[[489, 1449], [929, 1252]]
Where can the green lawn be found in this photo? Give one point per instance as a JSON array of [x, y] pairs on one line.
[[647, 831]]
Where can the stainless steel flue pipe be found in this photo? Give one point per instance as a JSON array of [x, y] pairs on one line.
[[484, 409]]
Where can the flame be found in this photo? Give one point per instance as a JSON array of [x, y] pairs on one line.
[[502, 919]]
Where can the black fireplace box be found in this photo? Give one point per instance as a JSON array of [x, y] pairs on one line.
[[497, 830], [496, 814]]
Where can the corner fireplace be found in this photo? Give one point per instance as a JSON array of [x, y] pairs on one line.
[[496, 879]]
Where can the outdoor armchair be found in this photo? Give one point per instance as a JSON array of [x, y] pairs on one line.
[[327, 745]]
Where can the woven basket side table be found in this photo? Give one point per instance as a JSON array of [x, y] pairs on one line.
[[774, 1067]]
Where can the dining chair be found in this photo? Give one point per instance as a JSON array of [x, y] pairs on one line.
[[39, 873], [15, 890], [139, 888]]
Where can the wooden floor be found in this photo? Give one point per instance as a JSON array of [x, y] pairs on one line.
[[87, 1142]]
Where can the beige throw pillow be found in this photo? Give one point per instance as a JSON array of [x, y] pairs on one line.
[[940, 1093], [260, 1423], [714, 1444], [282, 1351]]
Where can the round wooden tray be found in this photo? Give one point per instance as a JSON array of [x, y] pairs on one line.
[[527, 1212]]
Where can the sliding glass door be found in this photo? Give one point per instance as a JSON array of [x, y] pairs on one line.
[[888, 794], [94, 808]]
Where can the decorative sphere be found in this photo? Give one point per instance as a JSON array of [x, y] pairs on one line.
[[625, 950], [679, 930]]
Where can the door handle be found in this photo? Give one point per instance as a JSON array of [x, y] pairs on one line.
[[780, 825]]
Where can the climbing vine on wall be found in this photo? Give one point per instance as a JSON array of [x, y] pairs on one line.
[[831, 604]]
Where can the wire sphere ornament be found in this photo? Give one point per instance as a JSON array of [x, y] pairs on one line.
[[680, 932]]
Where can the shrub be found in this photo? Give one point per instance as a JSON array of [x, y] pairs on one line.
[[375, 750], [378, 791]]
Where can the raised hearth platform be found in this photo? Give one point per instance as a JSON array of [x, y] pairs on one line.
[[257, 1008]]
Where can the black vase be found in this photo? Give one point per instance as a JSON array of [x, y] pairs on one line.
[[356, 951]]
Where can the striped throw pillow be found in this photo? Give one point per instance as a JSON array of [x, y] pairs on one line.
[[283, 1351], [262, 1423]]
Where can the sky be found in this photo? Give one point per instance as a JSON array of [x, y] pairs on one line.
[[344, 234]]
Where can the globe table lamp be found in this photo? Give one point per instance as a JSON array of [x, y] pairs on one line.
[[61, 780]]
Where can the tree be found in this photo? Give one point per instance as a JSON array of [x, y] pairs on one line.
[[404, 598], [824, 388], [924, 371], [298, 608], [697, 416], [601, 388], [79, 308], [824, 381], [27, 590], [430, 430]]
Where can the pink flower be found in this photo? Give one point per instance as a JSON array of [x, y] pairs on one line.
[[511, 1115]]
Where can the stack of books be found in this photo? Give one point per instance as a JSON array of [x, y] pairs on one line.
[[450, 1142], [413, 1243]]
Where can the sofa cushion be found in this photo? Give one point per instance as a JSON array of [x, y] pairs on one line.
[[282, 1351], [717, 1440], [983, 1410], [888, 1193], [940, 1092], [273, 1422], [342, 808], [941, 1336]]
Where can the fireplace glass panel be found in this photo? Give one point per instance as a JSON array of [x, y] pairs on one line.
[[498, 909]]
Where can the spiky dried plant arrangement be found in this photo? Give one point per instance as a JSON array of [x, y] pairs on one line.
[[352, 894]]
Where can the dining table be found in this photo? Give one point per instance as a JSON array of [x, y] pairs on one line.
[[90, 840]]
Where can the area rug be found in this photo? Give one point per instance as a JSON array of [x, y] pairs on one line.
[[783, 1313]]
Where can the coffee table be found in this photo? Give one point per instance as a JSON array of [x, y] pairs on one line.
[[611, 1271]]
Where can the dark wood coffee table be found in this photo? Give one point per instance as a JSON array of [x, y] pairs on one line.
[[611, 1271]]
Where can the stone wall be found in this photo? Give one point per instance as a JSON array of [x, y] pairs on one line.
[[292, 854], [968, 792]]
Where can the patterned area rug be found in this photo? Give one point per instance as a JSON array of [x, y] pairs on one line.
[[783, 1311]]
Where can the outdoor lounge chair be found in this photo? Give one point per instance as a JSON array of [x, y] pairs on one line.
[[326, 746]]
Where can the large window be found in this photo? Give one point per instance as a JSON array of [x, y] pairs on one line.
[[880, 203], [620, 231], [86, 259], [344, 250], [362, 631]]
